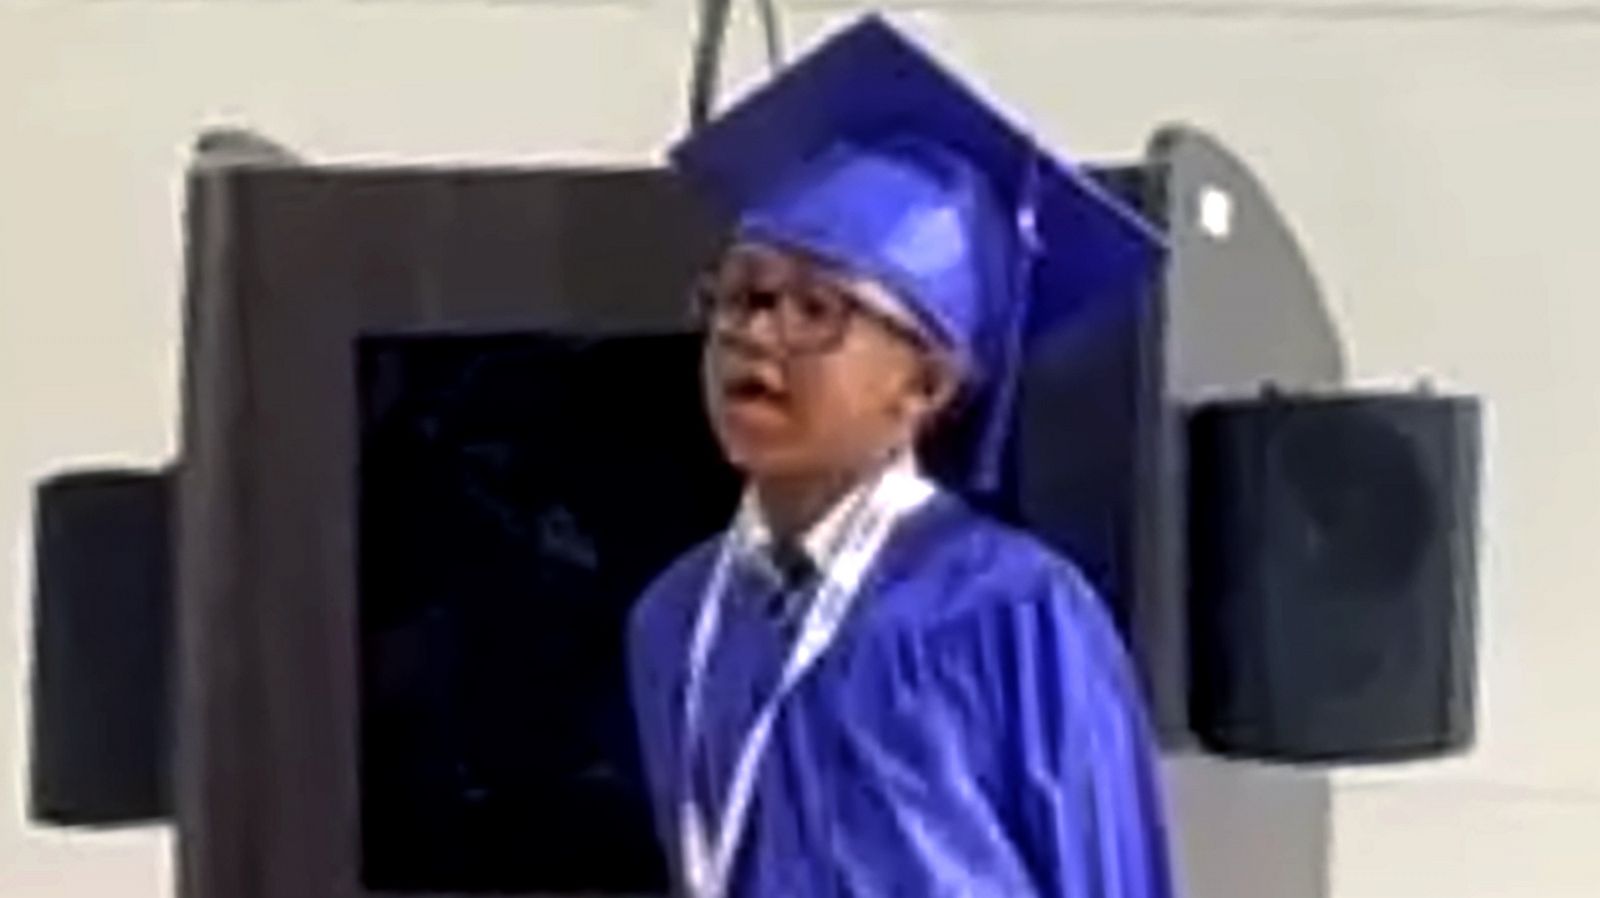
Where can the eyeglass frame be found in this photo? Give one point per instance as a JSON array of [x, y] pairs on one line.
[[709, 297]]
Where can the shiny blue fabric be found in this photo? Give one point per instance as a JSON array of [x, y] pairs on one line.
[[916, 218], [868, 153], [867, 84], [975, 731]]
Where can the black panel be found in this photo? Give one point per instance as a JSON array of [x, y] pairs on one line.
[[1082, 433]]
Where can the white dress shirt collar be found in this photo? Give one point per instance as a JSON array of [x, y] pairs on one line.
[[904, 487]]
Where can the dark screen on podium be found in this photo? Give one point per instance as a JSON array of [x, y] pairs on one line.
[[517, 492]]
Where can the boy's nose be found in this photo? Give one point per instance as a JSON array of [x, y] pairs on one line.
[[757, 332]]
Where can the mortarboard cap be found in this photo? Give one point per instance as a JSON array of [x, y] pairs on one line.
[[870, 155]]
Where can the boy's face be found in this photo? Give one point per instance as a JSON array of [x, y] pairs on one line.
[[801, 379]]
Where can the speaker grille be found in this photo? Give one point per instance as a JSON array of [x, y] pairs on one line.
[[1333, 576], [1360, 502]]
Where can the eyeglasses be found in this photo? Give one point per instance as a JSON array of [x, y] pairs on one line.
[[810, 311]]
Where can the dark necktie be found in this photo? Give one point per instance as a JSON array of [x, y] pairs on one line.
[[797, 572]]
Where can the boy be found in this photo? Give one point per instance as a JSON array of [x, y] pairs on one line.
[[865, 688]]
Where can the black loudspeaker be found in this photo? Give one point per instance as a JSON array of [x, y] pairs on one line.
[[102, 633], [1333, 563]]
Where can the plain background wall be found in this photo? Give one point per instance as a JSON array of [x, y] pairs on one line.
[[1436, 161]]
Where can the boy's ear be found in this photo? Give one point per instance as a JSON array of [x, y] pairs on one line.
[[935, 386]]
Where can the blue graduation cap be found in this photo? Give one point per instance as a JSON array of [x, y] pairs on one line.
[[871, 156]]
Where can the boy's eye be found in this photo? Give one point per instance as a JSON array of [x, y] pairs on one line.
[[752, 299], [815, 306]]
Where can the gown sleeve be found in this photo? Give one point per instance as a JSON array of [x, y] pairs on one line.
[[648, 700], [657, 638], [1085, 777]]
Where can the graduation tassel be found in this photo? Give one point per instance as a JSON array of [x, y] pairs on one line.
[[996, 426]]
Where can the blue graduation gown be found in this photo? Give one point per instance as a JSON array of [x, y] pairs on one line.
[[974, 732]]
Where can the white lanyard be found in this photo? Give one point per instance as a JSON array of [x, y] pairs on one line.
[[706, 864]]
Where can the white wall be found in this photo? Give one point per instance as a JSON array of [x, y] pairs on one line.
[[1440, 172]]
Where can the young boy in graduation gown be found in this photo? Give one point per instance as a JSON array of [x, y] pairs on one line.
[[865, 688]]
